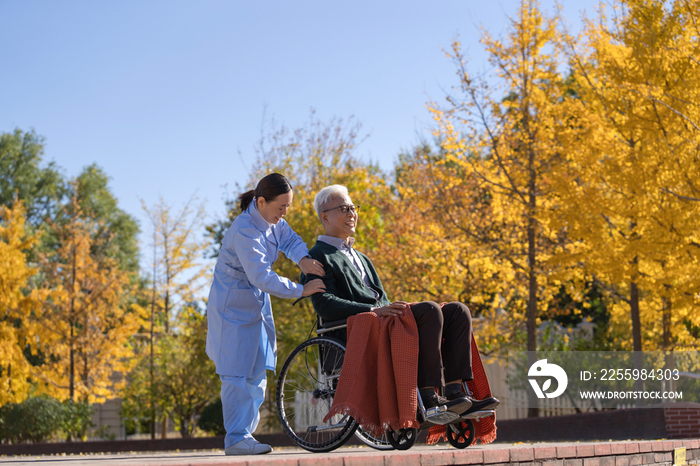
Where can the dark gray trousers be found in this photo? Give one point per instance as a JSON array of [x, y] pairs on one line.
[[444, 339]]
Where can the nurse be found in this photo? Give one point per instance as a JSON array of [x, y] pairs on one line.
[[241, 331]]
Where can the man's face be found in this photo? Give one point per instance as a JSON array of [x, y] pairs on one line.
[[336, 223]]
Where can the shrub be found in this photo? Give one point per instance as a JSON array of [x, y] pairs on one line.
[[212, 418], [76, 419], [36, 419], [104, 433], [42, 418]]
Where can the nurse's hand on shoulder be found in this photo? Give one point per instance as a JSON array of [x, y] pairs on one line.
[[311, 267], [314, 286]]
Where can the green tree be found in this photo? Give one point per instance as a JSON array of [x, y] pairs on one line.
[[118, 230], [43, 190], [23, 176], [177, 273], [178, 255], [184, 378]]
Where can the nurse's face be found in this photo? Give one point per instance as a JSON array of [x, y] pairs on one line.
[[273, 211]]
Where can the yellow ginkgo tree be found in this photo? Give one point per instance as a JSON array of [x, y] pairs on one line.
[[630, 192], [86, 321], [500, 150], [438, 248], [17, 303]]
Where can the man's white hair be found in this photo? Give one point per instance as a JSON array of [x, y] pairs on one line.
[[325, 196]]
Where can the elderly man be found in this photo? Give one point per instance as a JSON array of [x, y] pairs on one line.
[[353, 286]]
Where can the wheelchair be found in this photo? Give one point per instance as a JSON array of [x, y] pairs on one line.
[[305, 392]]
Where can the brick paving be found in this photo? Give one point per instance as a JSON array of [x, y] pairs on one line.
[[628, 453]]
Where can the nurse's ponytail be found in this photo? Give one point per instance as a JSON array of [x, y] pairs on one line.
[[246, 198], [269, 187]]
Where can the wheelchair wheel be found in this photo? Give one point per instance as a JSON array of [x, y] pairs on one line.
[[305, 394], [461, 435], [366, 437], [402, 439]]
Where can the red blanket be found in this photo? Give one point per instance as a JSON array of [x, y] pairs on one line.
[[377, 384]]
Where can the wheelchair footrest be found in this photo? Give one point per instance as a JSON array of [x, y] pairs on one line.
[[479, 415], [440, 415]]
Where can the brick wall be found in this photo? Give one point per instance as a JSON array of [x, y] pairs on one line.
[[668, 420], [682, 420], [622, 424]]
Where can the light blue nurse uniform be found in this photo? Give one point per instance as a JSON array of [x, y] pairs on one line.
[[241, 330]]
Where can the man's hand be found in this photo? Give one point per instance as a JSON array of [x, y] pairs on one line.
[[390, 309], [311, 267]]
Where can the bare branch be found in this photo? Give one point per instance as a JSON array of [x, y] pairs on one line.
[[685, 198]]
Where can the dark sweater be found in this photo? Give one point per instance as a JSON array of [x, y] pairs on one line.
[[346, 294]]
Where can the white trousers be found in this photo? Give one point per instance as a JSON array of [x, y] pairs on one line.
[[241, 398]]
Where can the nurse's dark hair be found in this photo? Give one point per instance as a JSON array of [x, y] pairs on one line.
[[269, 187]]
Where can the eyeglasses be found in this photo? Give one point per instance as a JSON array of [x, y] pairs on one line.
[[345, 208]]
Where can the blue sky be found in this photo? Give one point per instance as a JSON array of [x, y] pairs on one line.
[[166, 95]]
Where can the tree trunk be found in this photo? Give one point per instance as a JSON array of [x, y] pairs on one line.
[[634, 314], [150, 342], [71, 382], [532, 297], [85, 372], [166, 259], [669, 360], [666, 320], [166, 311], [534, 410], [636, 336], [533, 401], [184, 426], [71, 379]]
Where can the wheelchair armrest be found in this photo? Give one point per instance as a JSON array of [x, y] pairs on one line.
[[324, 327]]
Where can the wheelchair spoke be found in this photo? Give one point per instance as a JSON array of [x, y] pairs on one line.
[[378, 443], [305, 394]]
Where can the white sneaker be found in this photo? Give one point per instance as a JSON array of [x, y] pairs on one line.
[[248, 446]]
